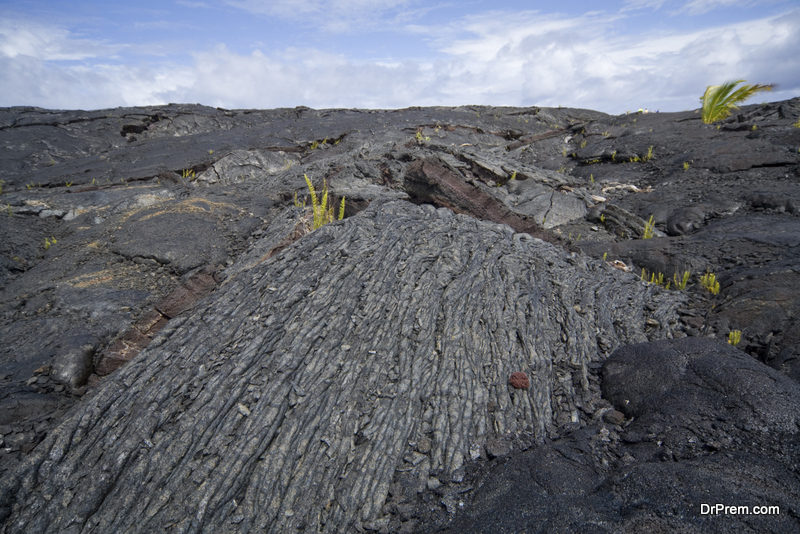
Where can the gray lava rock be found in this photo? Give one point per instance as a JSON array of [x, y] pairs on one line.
[[72, 368], [431, 305]]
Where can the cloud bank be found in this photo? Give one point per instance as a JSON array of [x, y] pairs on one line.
[[596, 60]]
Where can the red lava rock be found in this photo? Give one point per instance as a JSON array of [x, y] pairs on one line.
[[519, 380]]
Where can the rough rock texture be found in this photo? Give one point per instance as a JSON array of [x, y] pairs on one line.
[[400, 325], [705, 422], [136, 234]]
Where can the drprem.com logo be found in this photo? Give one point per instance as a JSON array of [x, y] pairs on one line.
[[722, 509]]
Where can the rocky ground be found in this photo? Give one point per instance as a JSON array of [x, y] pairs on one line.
[[128, 225]]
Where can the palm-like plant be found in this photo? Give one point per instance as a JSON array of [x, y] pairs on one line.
[[719, 100]]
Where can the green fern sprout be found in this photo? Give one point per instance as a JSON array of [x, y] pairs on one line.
[[685, 165], [734, 337], [681, 284], [719, 100], [709, 281], [649, 228], [322, 213]]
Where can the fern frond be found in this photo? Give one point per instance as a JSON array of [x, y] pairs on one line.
[[311, 189], [719, 100]]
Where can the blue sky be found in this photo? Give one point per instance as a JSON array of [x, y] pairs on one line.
[[610, 56]]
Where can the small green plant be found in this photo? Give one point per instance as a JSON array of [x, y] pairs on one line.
[[649, 154], [420, 138], [734, 337], [649, 228], [710, 282], [602, 217], [48, 242], [322, 213], [658, 280], [605, 256], [754, 128], [68, 184], [685, 165], [719, 100], [591, 178], [614, 155], [513, 175], [210, 151], [188, 173], [583, 143], [564, 152], [681, 284], [797, 124]]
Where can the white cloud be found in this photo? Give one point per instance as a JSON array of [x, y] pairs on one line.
[[304, 77], [530, 58], [337, 16], [18, 38], [699, 7]]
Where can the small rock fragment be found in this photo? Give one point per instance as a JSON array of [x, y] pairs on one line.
[[519, 380], [73, 367], [496, 448], [614, 417]]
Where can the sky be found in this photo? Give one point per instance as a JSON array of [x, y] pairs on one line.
[[613, 56]]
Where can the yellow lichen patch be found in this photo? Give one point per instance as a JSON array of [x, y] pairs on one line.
[[121, 276], [195, 205], [92, 279]]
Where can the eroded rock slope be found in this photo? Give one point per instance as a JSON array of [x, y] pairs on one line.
[[358, 376]]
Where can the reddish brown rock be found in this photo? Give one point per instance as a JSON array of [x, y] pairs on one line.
[[519, 380], [433, 181]]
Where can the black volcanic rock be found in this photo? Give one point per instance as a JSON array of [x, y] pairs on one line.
[[158, 236], [707, 425]]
